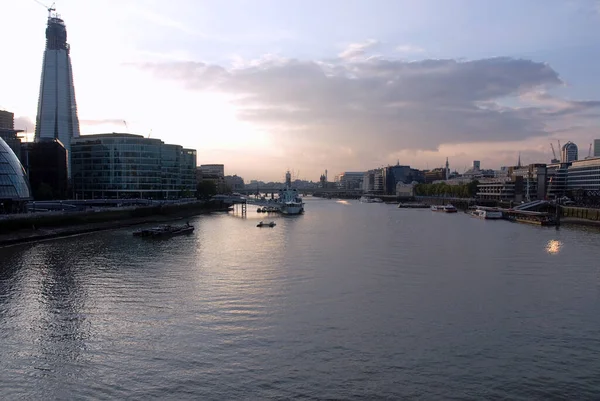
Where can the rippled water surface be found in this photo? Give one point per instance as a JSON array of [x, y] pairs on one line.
[[349, 301]]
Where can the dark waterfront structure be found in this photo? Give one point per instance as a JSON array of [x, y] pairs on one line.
[[46, 165], [214, 173], [131, 166], [14, 188], [8, 131], [57, 109], [392, 175]]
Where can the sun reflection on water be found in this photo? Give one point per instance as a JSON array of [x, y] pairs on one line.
[[553, 246]]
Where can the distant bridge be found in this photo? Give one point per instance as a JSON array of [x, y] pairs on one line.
[[322, 192]]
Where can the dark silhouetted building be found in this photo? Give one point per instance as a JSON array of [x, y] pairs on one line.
[[46, 165], [9, 133]]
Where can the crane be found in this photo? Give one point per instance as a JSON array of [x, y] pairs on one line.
[[553, 152], [50, 9], [126, 127]]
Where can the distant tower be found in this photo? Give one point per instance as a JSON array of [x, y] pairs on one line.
[[57, 109], [568, 152], [519, 161], [447, 169]]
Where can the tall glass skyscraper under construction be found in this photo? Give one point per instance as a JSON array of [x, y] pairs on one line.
[[57, 109]]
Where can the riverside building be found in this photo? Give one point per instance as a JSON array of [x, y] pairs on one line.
[[57, 109], [14, 188], [131, 166], [584, 175]]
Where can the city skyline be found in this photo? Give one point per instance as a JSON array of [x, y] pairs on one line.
[[262, 89]]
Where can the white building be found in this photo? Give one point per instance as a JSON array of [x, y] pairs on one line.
[[57, 109], [405, 190]]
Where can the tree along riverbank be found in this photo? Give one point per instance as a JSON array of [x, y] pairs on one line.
[[17, 229]]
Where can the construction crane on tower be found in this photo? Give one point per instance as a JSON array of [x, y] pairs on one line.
[[50, 9], [555, 160]]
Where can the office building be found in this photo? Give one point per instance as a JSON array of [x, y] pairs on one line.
[[9, 133], [534, 178], [214, 173], [57, 109], [501, 189], [584, 175], [131, 166], [596, 147], [394, 175], [212, 170], [568, 153], [14, 188], [7, 120], [436, 174], [46, 165], [350, 180], [373, 181]]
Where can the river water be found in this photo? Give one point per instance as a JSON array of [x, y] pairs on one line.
[[349, 301]]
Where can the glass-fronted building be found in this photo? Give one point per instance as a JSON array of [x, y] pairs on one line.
[[584, 174], [57, 109], [14, 187], [130, 166]]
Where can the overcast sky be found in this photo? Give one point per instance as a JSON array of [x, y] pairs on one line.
[[343, 85]]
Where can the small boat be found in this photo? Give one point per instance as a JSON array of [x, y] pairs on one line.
[[449, 208], [435, 208], [487, 214], [263, 224], [165, 231], [412, 206]]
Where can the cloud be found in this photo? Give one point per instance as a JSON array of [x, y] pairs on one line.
[[355, 50], [357, 110], [24, 123], [112, 121], [409, 49], [560, 107]]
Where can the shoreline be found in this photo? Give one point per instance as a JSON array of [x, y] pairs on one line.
[[28, 235], [576, 221]]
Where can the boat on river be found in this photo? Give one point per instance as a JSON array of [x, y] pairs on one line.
[[369, 199], [167, 230], [449, 208], [289, 201], [487, 214], [412, 206], [263, 224]]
